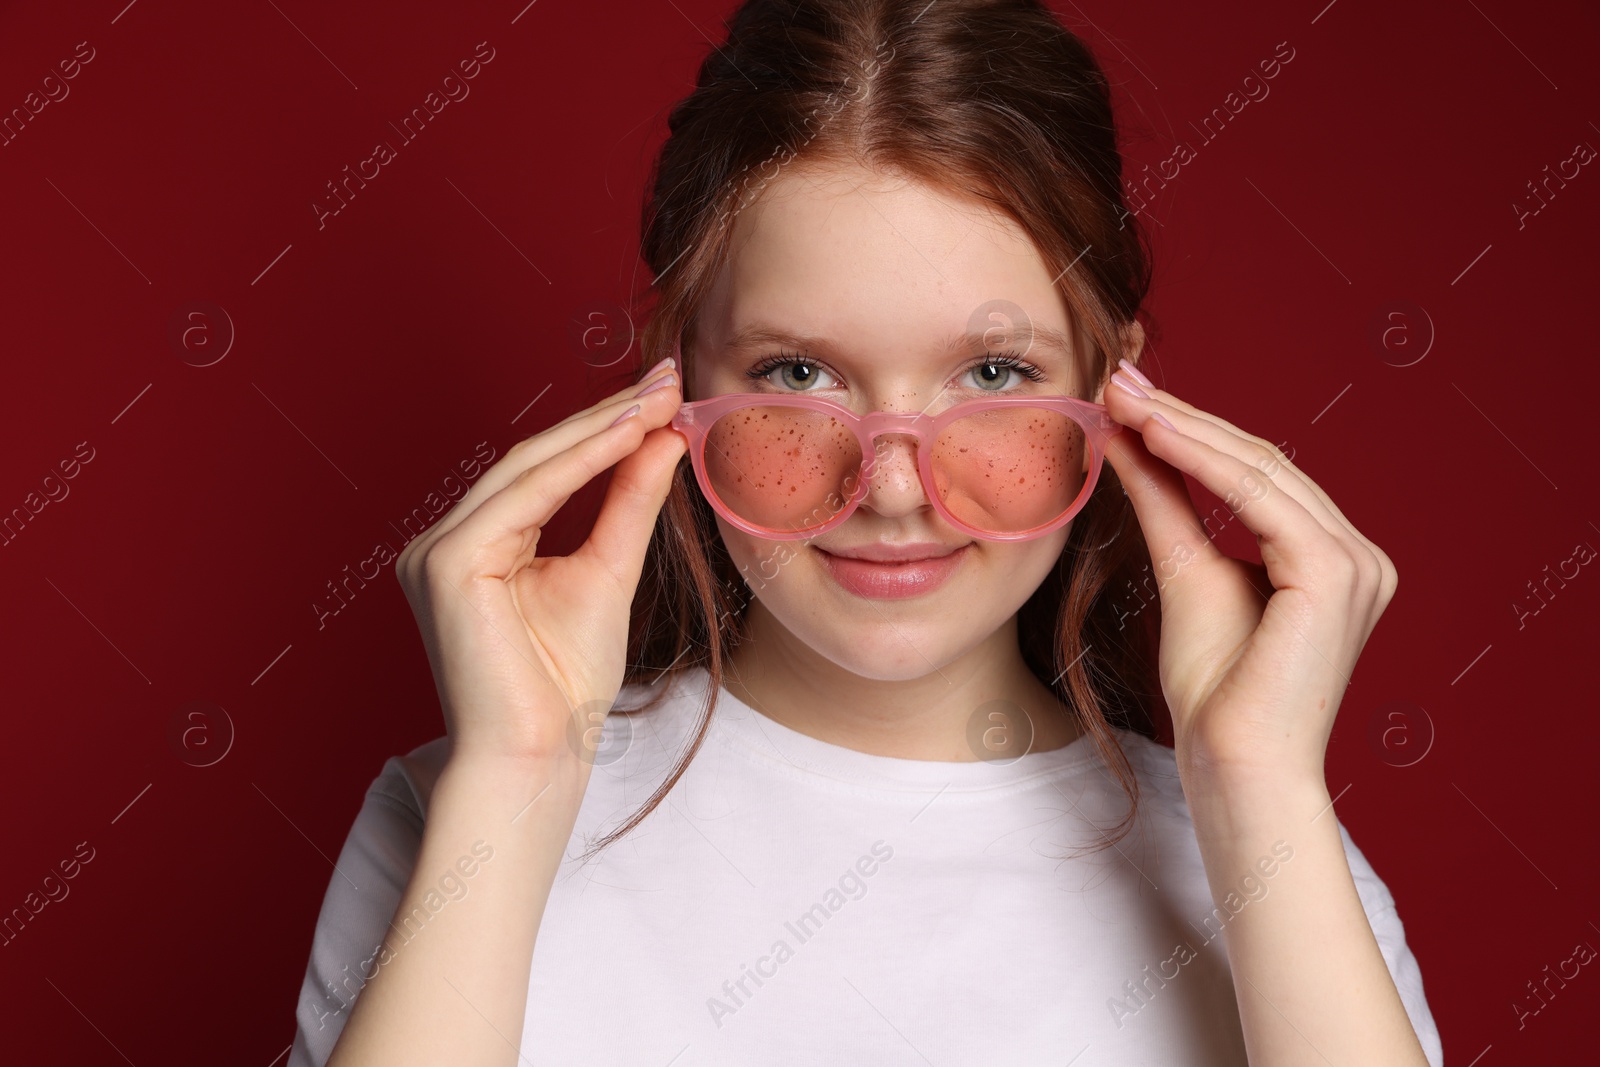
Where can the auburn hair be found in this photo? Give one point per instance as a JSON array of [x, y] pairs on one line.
[[993, 99]]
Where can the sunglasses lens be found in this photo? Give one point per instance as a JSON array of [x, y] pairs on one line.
[[1010, 470], [791, 469], [786, 469]]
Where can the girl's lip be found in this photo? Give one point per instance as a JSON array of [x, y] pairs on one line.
[[886, 552], [892, 581]]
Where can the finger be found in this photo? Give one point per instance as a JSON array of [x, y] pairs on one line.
[[1172, 528], [639, 486], [506, 525], [656, 373], [1296, 548], [1263, 454], [1375, 566], [532, 451], [1303, 561]]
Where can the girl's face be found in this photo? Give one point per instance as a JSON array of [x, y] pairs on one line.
[[887, 273]]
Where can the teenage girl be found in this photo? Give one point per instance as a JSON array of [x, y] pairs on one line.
[[835, 741]]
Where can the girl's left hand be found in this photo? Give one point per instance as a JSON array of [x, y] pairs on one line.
[[1254, 658]]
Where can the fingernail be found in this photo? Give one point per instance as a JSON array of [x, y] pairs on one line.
[[1133, 372], [1129, 386], [644, 386], [664, 380], [664, 363], [631, 411], [1163, 420]]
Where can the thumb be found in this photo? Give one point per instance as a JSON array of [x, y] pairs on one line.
[[639, 486], [1159, 495]]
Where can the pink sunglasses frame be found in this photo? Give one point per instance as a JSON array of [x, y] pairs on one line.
[[694, 419]]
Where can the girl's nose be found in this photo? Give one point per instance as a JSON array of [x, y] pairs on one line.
[[894, 486]]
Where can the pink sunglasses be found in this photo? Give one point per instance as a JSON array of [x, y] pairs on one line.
[[793, 467]]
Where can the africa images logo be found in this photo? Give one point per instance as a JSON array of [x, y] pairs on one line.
[[851, 885]]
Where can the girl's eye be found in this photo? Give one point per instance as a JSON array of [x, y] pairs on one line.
[[798, 373], [997, 371], [795, 374]]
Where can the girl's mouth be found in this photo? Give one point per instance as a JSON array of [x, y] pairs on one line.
[[892, 581]]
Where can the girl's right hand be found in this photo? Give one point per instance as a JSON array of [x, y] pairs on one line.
[[520, 644]]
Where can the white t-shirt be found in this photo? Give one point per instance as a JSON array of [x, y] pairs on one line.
[[794, 901]]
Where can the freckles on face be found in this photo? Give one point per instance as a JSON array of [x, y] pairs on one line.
[[1009, 470], [881, 278], [782, 468]]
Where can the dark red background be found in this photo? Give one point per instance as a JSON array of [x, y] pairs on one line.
[[378, 351]]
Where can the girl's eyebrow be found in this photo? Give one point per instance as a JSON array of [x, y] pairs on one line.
[[762, 335]]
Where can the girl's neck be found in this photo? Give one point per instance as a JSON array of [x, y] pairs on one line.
[[985, 704]]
